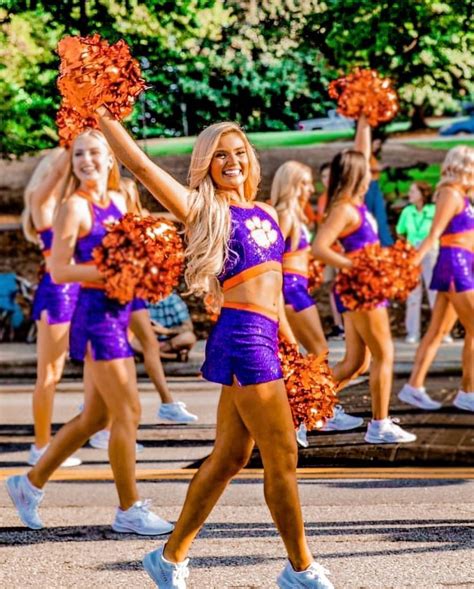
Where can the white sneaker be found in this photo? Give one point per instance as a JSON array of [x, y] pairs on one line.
[[418, 397], [100, 441], [301, 436], [447, 339], [166, 574], [314, 577], [26, 498], [411, 339], [341, 421], [464, 401], [387, 432], [138, 519], [36, 453], [176, 412]]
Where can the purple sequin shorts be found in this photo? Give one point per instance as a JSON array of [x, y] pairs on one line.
[[454, 270], [138, 305], [56, 301], [102, 323], [343, 309], [243, 344], [295, 292]]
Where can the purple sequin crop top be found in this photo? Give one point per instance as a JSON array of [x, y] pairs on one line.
[[100, 216], [45, 239], [303, 242], [366, 232], [255, 239], [463, 221]]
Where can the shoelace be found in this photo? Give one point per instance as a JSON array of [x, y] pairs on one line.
[[338, 410], [317, 569], [180, 572], [144, 505]]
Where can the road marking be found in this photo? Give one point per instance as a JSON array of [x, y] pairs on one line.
[[152, 474]]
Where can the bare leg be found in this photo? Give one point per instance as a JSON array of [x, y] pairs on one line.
[[463, 303], [73, 435], [239, 422], [142, 329], [51, 349], [356, 358], [306, 325], [374, 328], [443, 318]]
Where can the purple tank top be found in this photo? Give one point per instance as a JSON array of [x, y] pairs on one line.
[[463, 221], [45, 238], [366, 232], [255, 238], [100, 216], [303, 242]]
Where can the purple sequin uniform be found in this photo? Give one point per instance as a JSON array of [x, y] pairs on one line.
[[454, 269], [295, 285], [365, 234], [98, 320], [55, 302], [243, 344]]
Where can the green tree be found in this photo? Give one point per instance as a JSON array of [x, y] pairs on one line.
[[425, 46]]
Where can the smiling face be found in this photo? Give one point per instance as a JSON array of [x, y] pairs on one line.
[[306, 187], [91, 160], [230, 164], [414, 195]]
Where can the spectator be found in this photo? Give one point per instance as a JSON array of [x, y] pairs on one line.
[[414, 224]]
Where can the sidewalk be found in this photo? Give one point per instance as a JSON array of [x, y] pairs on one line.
[[18, 360]]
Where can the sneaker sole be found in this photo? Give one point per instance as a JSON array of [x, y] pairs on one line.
[[410, 401], [176, 421], [462, 407], [331, 428], [125, 530], [371, 440], [10, 493]]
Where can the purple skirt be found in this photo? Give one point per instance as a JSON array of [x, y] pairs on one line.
[[57, 300], [244, 345], [295, 292], [102, 323], [138, 305], [454, 270]]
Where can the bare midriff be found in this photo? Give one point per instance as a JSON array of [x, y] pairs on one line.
[[296, 262], [463, 240], [261, 292]]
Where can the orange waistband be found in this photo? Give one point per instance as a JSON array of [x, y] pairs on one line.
[[46, 253], [463, 240], [250, 273], [273, 315], [296, 252], [290, 270], [96, 285]]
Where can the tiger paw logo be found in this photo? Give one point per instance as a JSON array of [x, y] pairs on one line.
[[261, 231]]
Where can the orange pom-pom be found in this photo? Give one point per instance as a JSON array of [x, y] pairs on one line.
[[404, 274], [71, 124], [140, 257], [309, 385], [94, 73], [315, 274], [364, 92]]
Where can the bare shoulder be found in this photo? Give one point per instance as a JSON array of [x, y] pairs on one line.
[[344, 210], [120, 200], [75, 204], [268, 209], [450, 196]]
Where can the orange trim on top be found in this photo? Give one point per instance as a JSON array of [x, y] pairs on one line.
[[273, 315], [88, 197], [43, 229], [46, 253], [242, 205], [347, 233], [295, 252], [250, 273]]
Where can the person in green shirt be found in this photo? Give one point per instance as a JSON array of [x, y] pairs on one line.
[[414, 225]]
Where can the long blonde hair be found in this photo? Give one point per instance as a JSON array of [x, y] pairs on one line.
[[458, 168], [208, 221], [113, 181], [42, 170], [285, 192]]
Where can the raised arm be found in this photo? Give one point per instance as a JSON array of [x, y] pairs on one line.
[[67, 226], [56, 173], [363, 138], [340, 219], [168, 191], [448, 204]]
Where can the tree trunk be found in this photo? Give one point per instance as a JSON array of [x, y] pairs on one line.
[[418, 118]]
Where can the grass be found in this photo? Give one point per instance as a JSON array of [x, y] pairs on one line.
[[444, 144]]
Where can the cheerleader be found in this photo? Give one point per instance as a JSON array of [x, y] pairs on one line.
[[53, 304], [235, 251], [349, 222], [98, 337], [292, 186], [453, 277]]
